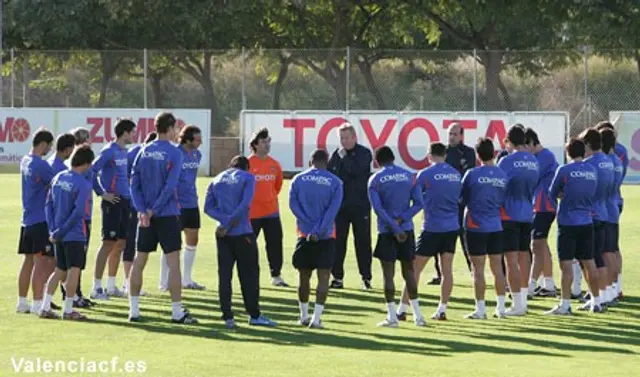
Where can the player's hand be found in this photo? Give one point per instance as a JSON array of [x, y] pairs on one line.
[[312, 238], [235, 223], [52, 240], [399, 221], [561, 195], [143, 220], [149, 214], [221, 231], [401, 237], [342, 152], [111, 198]]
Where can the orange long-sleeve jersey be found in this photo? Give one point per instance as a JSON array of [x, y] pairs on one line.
[[268, 173]]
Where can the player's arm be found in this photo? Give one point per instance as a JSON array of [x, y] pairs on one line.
[[172, 181], [248, 190], [279, 178], [137, 197], [376, 204], [81, 199], [49, 212], [98, 164], [211, 206], [329, 217], [417, 203], [295, 205], [46, 173], [557, 184]]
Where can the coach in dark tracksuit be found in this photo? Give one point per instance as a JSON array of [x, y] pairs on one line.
[[462, 158], [352, 164]]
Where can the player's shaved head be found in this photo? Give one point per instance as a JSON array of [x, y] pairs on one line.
[[239, 162], [319, 158]]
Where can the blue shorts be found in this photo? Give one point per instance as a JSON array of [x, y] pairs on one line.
[[163, 230], [542, 225], [34, 239], [71, 254], [314, 255], [115, 217], [610, 237], [479, 244], [599, 239], [575, 242], [190, 218], [431, 244], [388, 249], [516, 236]]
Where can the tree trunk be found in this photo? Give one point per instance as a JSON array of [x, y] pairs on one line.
[[366, 70], [156, 90], [492, 61], [637, 58], [109, 67], [505, 95], [217, 126], [282, 75]]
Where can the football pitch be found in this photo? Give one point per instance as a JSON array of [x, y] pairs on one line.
[[351, 344]]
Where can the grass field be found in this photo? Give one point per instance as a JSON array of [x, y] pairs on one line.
[[351, 345]]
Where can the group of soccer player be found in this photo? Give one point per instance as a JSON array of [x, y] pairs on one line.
[[149, 197]]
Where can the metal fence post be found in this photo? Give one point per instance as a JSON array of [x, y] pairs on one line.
[[475, 80], [145, 74], [587, 102], [244, 88], [347, 79], [13, 77]]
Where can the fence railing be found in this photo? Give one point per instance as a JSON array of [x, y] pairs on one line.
[[585, 83]]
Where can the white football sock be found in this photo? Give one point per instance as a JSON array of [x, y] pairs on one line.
[[134, 306], [189, 255], [76, 298], [46, 304], [391, 312], [176, 310], [595, 300], [415, 307], [603, 295], [549, 284], [68, 305], [97, 284], [501, 303], [577, 278], [442, 307], [524, 292], [516, 300], [566, 304], [304, 310], [619, 283], [402, 308], [164, 271], [22, 301], [532, 287], [36, 306], [111, 283], [481, 307], [317, 313]]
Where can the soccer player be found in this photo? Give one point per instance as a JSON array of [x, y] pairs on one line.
[[352, 164], [228, 199], [440, 185], [396, 199], [129, 252], [64, 147], [264, 211], [315, 198], [483, 195], [67, 203], [613, 214], [34, 240], [521, 168], [154, 180], [112, 184], [544, 214], [606, 184], [575, 183]]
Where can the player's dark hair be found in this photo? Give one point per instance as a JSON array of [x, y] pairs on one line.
[[531, 137], [575, 148], [65, 141], [151, 137], [485, 149], [164, 121], [384, 156], [438, 149], [82, 155], [42, 136], [592, 138], [239, 162], [605, 124], [608, 140], [516, 135], [188, 133], [320, 156], [124, 125], [261, 134]]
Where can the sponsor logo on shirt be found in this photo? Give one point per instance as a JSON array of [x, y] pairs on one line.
[[229, 180], [589, 175], [190, 165], [451, 177], [121, 162], [606, 165], [155, 155], [493, 181], [397, 177], [619, 169], [529, 165], [317, 179], [265, 177], [64, 185]]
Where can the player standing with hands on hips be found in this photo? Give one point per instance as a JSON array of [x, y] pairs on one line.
[[352, 164]]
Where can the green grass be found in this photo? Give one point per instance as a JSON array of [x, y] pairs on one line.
[[607, 345]]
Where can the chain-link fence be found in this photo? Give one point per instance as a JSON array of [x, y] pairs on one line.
[[587, 84]]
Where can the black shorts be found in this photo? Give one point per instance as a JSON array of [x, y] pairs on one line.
[[132, 231], [575, 242], [542, 225], [87, 226], [163, 230], [620, 207], [599, 239], [516, 236], [115, 218], [610, 237], [431, 244], [34, 239], [71, 254], [190, 218], [314, 255], [479, 243], [388, 249]]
